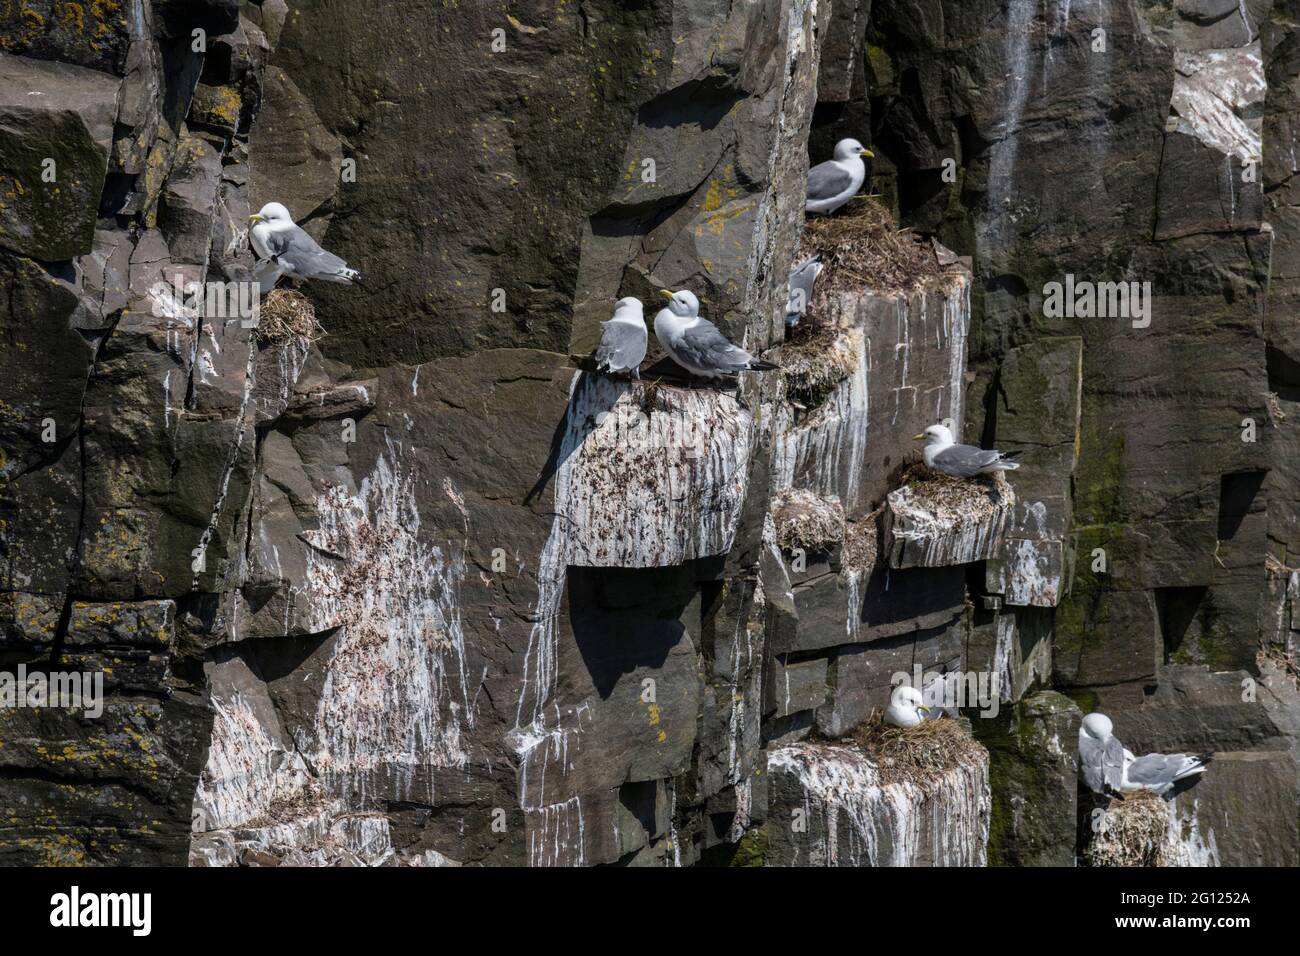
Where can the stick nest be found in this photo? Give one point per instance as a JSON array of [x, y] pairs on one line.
[[922, 753], [287, 317], [1132, 831], [805, 520]]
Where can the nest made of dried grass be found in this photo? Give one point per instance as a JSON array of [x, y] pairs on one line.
[[953, 501], [814, 360], [287, 317], [1132, 830], [808, 521], [862, 247], [861, 544], [922, 753]]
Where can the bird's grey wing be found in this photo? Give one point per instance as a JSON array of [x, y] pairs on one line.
[[300, 254], [1112, 763], [1156, 770], [964, 461], [705, 347], [827, 180], [622, 346], [1090, 764]]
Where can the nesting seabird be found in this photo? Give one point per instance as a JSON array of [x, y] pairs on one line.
[[696, 344], [906, 707], [801, 282], [285, 249], [833, 183], [623, 339], [1108, 766], [944, 455]]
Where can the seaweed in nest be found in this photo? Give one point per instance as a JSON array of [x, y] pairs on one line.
[[287, 317], [922, 753], [814, 360], [862, 248], [1132, 831]]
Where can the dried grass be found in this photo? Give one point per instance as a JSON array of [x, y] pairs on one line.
[[1282, 658], [814, 360], [1133, 831], [288, 317], [953, 501], [861, 543], [805, 520], [921, 754], [861, 247]]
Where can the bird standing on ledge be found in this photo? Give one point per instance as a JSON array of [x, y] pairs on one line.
[[696, 344], [285, 249]]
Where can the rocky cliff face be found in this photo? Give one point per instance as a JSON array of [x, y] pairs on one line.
[[426, 591]]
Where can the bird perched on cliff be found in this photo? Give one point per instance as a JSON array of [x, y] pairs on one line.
[[623, 339], [833, 183], [1108, 766], [696, 344], [285, 249], [906, 707], [801, 282], [944, 455]]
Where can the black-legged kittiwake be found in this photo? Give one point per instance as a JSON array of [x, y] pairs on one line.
[[801, 282], [833, 183], [287, 250], [906, 707], [623, 339], [696, 344], [961, 461], [1101, 755], [1107, 765]]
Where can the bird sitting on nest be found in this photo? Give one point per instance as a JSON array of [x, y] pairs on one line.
[[906, 707], [1107, 766], [944, 455], [833, 183]]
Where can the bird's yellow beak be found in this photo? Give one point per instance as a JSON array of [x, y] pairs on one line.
[[666, 293], [923, 709], [867, 152], [255, 217], [918, 437]]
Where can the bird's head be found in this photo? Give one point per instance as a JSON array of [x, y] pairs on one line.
[[1097, 726], [936, 435], [682, 302], [271, 212], [628, 304], [849, 148], [907, 697]]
